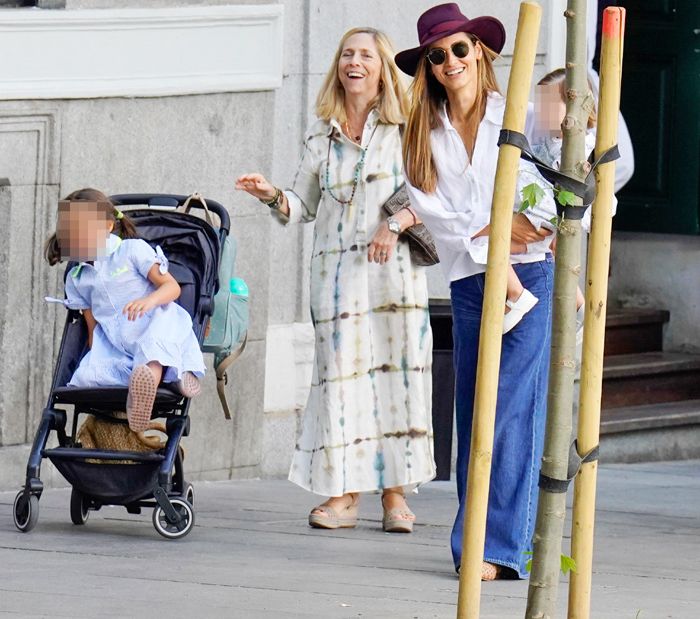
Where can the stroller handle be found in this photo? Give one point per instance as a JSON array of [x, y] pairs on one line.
[[173, 201]]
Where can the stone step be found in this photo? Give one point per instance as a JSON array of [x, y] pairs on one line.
[[629, 331], [649, 378], [651, 432], [649, 416]]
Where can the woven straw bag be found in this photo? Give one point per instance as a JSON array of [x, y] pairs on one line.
[[98, 433]]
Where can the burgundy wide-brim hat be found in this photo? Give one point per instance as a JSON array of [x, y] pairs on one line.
[[442, 21]]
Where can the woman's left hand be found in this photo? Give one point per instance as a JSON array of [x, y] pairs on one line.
[[382, 246]]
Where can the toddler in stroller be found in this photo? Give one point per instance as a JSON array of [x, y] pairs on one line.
[[127, 346], [116, 270]]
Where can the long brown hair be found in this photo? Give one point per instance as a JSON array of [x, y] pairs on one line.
[[391, 102], [427, 97], [123, 226]]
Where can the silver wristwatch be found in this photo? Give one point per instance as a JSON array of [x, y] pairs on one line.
[[394, 225]]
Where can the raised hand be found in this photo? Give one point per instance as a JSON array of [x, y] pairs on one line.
[[256, 185]]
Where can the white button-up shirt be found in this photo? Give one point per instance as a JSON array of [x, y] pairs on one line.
[[461, 203]]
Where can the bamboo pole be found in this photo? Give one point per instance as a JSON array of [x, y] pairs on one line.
[[594, 321], [551, 509], [479, 473]]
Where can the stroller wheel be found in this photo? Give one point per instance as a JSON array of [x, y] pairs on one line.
[[78, 507], [174, 530], [27, 517], [188, 495]]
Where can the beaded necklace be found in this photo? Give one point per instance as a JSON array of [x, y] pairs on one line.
[[356, 176]]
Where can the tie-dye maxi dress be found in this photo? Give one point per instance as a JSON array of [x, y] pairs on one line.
[[367, 424]]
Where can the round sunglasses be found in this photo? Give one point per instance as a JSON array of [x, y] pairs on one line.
[[437, 55]]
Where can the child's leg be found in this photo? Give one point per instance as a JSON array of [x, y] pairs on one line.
[[519, 301], [514, 288], [143, 385], [580, 303]]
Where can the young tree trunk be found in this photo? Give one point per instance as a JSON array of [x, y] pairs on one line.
[[547, 541]]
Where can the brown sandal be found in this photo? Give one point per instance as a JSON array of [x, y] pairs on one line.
[[397, 520], [490, 571], [326, 517]]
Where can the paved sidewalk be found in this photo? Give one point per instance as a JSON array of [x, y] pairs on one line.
[[253, 556]]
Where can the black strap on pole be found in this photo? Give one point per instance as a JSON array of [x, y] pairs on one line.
[[558, 486], [583, 189]]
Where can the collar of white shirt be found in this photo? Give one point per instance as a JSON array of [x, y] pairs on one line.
[[495, 107]]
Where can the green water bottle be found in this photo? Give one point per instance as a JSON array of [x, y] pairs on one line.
[[238, 286]]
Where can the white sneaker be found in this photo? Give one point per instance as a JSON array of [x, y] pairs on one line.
[[526, 301]]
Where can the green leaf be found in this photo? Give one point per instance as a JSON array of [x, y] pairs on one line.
[[567, 564], [554, 221], [565, 198], [531, 194]]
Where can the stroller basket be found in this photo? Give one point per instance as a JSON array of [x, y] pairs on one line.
[[108, 482]]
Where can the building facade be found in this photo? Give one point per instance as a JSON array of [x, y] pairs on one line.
[[177, 96]]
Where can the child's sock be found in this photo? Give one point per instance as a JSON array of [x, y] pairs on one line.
[[189, 385], [142, 393]]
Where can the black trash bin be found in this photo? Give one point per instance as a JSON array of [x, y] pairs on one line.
[[443, 385]]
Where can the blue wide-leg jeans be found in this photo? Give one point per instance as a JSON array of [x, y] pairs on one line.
[[520, 414]]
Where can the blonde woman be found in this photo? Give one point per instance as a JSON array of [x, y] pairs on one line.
[[367, 425], [451, 153]]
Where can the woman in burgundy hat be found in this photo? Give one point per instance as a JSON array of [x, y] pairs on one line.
[[450, 155]]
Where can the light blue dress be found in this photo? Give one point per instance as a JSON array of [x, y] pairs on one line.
[[163, 334]]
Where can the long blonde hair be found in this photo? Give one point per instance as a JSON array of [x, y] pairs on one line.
[[391, 102], [427, 97]]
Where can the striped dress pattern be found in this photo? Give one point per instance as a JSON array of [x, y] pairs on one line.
[[367, 424]]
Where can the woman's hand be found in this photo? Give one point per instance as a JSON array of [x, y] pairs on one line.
[[381, 248], [257, 186], [523, 232], [139, 307]]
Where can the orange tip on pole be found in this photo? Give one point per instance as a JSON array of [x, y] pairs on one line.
[[613, 22]]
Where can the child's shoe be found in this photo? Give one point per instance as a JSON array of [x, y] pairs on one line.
[[142, 394], [189, 385], [526, 301]]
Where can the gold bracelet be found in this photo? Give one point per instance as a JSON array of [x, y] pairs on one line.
[[275, 202]]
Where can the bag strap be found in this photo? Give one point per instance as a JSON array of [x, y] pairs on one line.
[[222, 377], [197, 197]]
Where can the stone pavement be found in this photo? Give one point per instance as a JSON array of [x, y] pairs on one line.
[[252, 555]]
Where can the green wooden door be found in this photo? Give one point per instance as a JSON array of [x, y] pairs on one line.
[[661, 105]]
